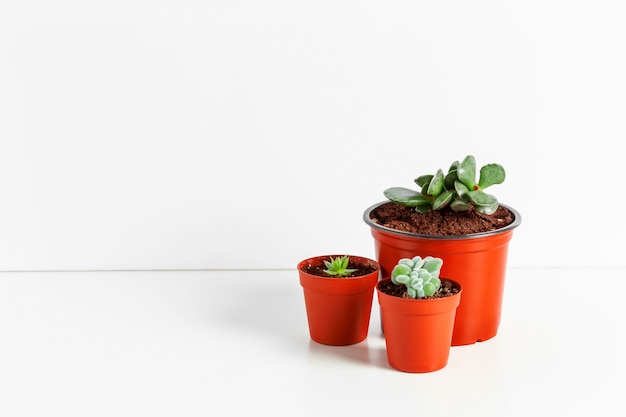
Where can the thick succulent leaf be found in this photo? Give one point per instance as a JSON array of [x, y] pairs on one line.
[[423, 209], [424, 275], [408, 262], [412, 293], [400, 269], [460, 205], [416, 283], [467, 172], [416, 259], [401, 279], [461, 189], [488, 210], [451, 178], [406, 196], [436, 282], [484, 203], [491, 174], [418, 263], [432, 264], [443, 199], [435, 187], [423, 180], [453, 166], [481, 198], [429, 289], [344, 262]]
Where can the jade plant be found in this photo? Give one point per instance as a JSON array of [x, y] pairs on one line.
[[458, 188], [338, 267], [420, 275]]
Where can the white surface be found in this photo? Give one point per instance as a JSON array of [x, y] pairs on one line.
[[128, 126], [220, 343]]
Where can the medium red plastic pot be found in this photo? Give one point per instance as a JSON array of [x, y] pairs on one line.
[[418, 333], [338, 309], [477, 261]]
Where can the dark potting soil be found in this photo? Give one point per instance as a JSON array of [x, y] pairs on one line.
[[362, 268], [445, 222], [447, 289]]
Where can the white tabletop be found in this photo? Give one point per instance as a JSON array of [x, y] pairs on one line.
[[199, 343]]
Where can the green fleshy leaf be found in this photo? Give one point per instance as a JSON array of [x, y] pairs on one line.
[[400, 269], [435, 187], [415, 259], [488, 210], [408, 262], [423, 180], [432, 265], [491, 174], [344, 262], [436, 282], [460, 205], [406, 196], [401, 279], [416, 283], [451, 178], [481, 198], [467, 172], [461, 189], [429, 289], [484, 203], [424, 275], [443, 199]]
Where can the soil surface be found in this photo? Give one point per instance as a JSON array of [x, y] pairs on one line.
[[446, 290], [445, 222], [362, 268]]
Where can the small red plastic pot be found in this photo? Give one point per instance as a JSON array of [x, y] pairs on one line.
[[338, 309], [418, 333]]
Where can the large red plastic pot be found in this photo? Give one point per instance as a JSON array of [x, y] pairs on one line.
[[418, 333], [477, 261], [338, 309]]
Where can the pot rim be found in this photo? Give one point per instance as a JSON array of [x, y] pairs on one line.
[[366, 217], [363, 259], [454, 282]]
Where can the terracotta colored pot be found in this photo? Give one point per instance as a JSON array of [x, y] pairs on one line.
[[418, 333], [476, 261], [338, 309]]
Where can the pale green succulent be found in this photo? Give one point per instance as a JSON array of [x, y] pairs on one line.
[[458, 189], [338, 267], [421, 276]]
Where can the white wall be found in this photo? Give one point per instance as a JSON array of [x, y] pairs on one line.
[[248, 134]]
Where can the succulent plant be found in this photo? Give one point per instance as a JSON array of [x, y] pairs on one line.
[[421, 276], [338, 267], [457, 188]]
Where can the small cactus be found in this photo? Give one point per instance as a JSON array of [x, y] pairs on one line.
[[338, 267]]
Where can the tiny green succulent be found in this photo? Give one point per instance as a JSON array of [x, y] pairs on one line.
[[338, 267], [458, 189], [421, 276]]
